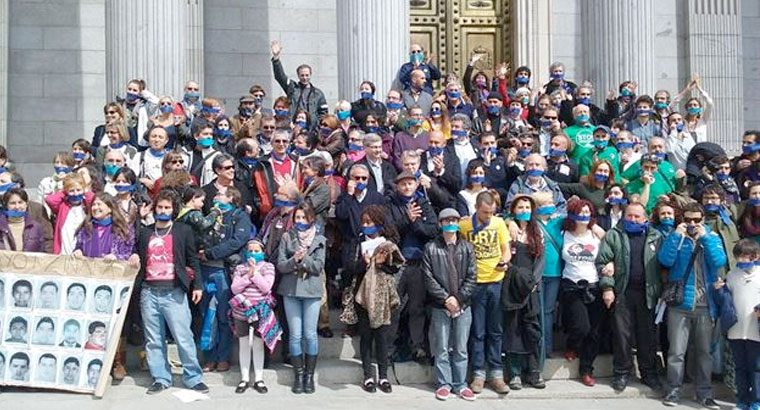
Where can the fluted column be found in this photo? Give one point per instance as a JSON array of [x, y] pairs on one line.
[[373, 42], [4, 26], [618, 39], [158, 41], [532, 37], [715, 53]]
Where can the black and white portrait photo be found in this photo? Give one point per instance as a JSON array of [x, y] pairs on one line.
[[18, 330], [21, 292], [44, 331], [76, 295], [48, 295], [72, 334]]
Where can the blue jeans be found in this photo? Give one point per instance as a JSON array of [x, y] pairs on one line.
[[747, 359], [550, 293], [450, 333], [163, 307], [485, 335], [221, 350], [302, 315]]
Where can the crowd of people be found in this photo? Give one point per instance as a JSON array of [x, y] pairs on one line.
[[483, 227]]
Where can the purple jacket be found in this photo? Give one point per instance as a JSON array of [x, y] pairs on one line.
[[33, 240], [403, 141], [119, 247]]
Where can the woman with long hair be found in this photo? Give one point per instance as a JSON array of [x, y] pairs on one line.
[[174, 174], [520, 296], [476, 179], [593, 186], [749, 222]]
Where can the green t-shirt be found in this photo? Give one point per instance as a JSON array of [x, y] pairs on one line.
[[664, 182], [582, 137], [609, 153]]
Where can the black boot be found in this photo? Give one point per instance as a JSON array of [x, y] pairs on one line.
[[308, 382], [298, 374]]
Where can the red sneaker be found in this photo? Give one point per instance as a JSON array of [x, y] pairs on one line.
[[467, 394], [588, 380], [443, 393]]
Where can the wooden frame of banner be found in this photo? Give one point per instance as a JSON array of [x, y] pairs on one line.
[[68, 266]]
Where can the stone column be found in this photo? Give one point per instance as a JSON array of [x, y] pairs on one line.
[[618, 44], [532, 37], [373, 42], [157, 41], [4, 27], [714, 43]]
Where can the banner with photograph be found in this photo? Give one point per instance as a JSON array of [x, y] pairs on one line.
[[60, 320]]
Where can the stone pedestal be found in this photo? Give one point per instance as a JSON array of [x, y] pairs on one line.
[[714, 42], [373, 42], [532, 37], [4, 72], [158, 41], [618, 39]]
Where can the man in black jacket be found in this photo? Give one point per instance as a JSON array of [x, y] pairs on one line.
[[381, 172], [165, 251], [303, 95], [442, 167], [448, 264], [415, 220]]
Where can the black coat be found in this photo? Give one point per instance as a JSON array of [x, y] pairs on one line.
[[389, 176]]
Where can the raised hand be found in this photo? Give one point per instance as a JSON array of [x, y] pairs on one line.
[[276, 49]]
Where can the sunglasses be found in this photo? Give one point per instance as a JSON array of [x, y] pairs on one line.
[[178, 161], [268, 128], [550, 118], [360, 178], [227, 167], [695, 220]]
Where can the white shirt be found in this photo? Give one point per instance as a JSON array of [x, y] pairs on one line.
[[469, 198], [465, 153], [72, 223], [678, 148], [151, 166], [579, 254], [745, 290]]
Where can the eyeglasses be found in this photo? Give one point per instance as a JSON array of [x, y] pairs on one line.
[[279, 141], [550, 118], [178, 161], [695, 220], [268, 128], [360, 178], [416, 51], [227, 167]]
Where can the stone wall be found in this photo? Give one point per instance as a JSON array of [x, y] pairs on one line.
[[751, 49], [237, 37], [56, 79]]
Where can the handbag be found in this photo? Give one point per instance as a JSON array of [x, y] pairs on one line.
[[673, 292]]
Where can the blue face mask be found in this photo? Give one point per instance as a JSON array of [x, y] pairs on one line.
[[166, 109], [626, 92], [624, 145], [584, 101], [600, 144], [111, 169], [301, 124], [256, 256], [546, 123], [250, 161], [300, 227], [524, 152], [162, 217], [435, 151], [367, 96], [5, 187], [12, 214], [415, 58], [712, 208], [745, 265], [751, 148], [721, 176], [450, 228], [206, 142], [371, 230], [302, 152], [222, 206], [557, 152], [690, 229], [557, 76], [669, 222], [325, 131], [102, 222], [515, 111], [281, 113], [459, 134], [435, 113], [522, 80], [411, 122], [211, 110], [582, 118], [642, 111], [679, 127], [124, 188], [522, 216], [754, 202], [223, 134], [282, 203], [78, 155], [453, 95], [660, 106], [394, 105], [493, 150], [192, 95], [75, 199], [360, 186], [601, 177], [579, 218], [373, 130], [546, 210], [308, 180], [355, 147], [477, 179], [344, 114], [494, 110], [158, 153], [117, 145], [694, 110], [62, 170], [132, 97], [617, 201], [634, 227], [534, 172]]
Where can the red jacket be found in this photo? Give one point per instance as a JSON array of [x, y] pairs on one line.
[[59, 206]]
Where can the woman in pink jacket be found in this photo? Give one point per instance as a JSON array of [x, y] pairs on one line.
[[252, 310], [70, 206]]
